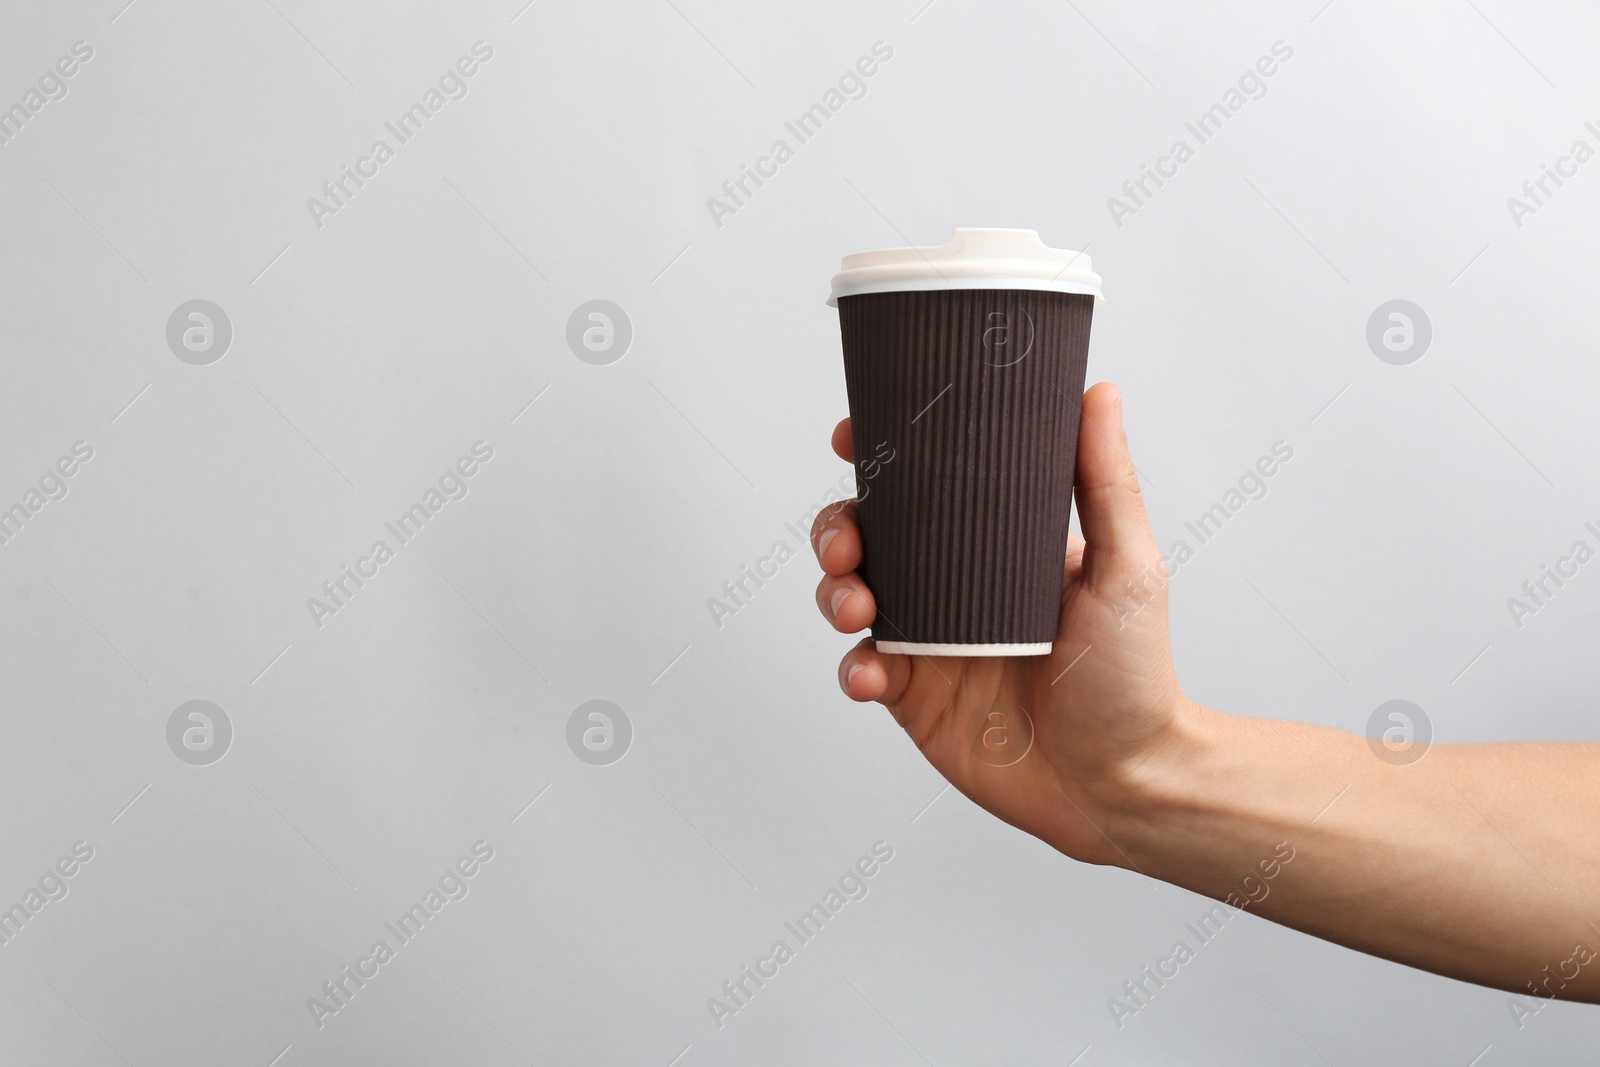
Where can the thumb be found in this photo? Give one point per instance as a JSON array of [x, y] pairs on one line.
[[1110, 506]]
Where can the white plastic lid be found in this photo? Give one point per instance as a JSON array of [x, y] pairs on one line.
[[971, 259]]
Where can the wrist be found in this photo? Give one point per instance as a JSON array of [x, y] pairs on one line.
[[1168, 787]]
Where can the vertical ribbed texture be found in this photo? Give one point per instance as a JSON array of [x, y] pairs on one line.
[[965, 495]]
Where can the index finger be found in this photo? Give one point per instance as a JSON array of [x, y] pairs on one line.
[[843, 445]]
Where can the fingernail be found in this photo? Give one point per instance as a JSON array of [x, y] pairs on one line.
[[847, 674], [839, 597], [822, 542]]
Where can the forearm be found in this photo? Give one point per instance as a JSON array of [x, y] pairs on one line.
[[1481, 862]]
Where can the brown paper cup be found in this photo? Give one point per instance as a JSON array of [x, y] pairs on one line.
[[965, 404]]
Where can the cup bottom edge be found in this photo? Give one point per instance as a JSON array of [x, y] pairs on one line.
[[921, 648]]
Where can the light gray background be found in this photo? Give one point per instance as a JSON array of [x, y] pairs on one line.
[[370, 353]]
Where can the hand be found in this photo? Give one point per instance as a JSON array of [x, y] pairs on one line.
[[1087, 715]]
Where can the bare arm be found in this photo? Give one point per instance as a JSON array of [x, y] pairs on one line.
[[1481, 862]]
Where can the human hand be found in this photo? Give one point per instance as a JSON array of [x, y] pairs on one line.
[[1048, 743]]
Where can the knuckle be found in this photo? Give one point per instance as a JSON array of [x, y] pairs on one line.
[[1130, 479], [827, 517]]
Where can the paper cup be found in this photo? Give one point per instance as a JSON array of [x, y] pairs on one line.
[[965, 367]]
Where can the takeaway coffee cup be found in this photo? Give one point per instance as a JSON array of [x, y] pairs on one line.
[[965, 365]]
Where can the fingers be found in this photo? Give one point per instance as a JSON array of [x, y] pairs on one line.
[[864, 673], [842, 597], [846, 602], [1110, 506], [836, 538], [835, 535], [1073, 563], [843, 445]]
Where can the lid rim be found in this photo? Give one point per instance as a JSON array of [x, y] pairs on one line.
[[973, 258], [1028, 285]]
